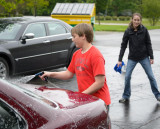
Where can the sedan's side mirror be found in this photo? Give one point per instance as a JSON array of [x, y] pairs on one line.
[[27, 36]]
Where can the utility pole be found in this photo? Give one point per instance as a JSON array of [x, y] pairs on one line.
[[35, 8], [141, 10]]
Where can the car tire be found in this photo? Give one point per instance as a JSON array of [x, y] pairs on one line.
[[4, 69], [70, 58]]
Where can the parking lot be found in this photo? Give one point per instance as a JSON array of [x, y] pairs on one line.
[[143, 110]]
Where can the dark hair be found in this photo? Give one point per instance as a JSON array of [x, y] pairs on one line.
[[131, 23], [83, 29]]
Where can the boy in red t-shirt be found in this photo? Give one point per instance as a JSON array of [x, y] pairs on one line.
[[87, 63]]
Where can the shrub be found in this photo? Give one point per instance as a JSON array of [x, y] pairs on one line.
[[114, 18], [19, 15], [122, 18], [108, 18], [2, 15], [128, 18], [7, 15], [101, 18]]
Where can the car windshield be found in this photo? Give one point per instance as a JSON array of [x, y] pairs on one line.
[[8, 31]]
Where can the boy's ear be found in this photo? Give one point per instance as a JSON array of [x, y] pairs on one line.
[[84, 36]]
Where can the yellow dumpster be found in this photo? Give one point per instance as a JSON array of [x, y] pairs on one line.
[[75, 13]]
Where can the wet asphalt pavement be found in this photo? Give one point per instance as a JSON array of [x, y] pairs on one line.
[[143, 110]]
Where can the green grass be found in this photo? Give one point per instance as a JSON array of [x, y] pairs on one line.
[[118, 28], [122, 28], [145, 21], [112, 21], [152, 27]]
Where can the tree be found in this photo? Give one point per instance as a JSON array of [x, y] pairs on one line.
[[7, 7], [19, 5], [117, 6], [121, 7], [151, 10], [101, 6], [37, 6]]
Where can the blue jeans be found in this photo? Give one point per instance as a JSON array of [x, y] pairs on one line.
[[145, 63]]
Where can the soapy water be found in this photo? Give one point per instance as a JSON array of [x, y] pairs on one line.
[[21, 79]]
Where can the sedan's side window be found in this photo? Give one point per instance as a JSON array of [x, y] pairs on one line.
[[56, 28], [37, 29], [9, 119]]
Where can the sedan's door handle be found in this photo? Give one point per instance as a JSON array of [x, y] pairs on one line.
[[69, 38], [46, 41]]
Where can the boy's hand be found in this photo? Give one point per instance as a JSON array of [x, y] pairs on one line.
[[44, 76]]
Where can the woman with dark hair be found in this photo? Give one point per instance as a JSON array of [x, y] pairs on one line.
[[140, 51]]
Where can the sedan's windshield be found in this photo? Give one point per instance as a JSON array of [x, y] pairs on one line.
[[8, 31]]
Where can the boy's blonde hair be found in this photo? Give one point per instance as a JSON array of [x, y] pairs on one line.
[[83, 29]]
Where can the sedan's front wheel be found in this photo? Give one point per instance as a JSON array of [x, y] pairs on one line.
[[70, 57], [4, 69]]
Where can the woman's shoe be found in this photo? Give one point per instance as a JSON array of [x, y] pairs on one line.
[[123, 100], [158, 98]]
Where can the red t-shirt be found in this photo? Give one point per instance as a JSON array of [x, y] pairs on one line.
[[86, 66]]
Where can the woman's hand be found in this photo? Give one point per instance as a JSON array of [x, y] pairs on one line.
[[151, 61], [119, 63]]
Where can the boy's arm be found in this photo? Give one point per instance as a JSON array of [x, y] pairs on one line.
[[98, 84], [63, 75]]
